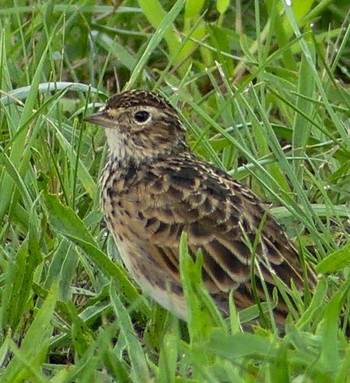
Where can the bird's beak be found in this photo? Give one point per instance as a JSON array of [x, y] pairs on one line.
[[98, 118]]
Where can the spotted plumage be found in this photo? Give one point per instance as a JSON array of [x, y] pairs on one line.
[[154, 188]]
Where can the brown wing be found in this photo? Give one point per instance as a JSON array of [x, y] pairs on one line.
[[223, 218]]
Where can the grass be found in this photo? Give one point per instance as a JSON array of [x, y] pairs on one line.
[[264, 92]]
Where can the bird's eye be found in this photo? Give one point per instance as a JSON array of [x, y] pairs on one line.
[[141, 116]]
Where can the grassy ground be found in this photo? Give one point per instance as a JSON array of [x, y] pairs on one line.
[[264, 92]]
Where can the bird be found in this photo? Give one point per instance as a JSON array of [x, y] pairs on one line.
[[154, 188]]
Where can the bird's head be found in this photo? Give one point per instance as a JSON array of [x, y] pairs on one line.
[[140, 125]]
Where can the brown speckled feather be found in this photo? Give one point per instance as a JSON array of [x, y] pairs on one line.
[[154, 188]]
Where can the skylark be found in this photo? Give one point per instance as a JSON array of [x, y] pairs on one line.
[[154, 187]]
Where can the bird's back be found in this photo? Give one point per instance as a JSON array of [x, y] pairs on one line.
[[148, 206]]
